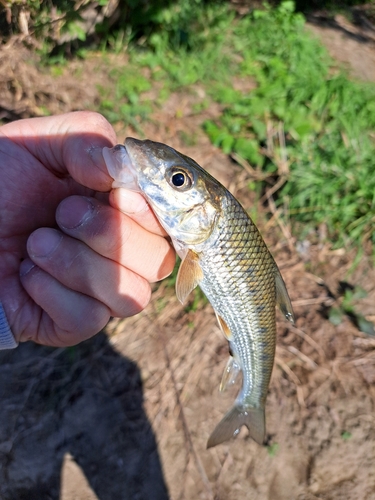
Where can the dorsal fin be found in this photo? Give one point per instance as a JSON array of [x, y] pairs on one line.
[[282, 297], [189, 275]]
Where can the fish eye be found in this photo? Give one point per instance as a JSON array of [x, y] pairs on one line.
[[179, 179]]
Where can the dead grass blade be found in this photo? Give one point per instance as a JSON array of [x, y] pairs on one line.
[[308, 339], [308, 361], [293, 377]]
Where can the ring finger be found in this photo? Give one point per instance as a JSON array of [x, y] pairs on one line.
[[79, 268]]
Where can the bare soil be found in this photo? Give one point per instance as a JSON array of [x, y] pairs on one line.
[[127, 414]]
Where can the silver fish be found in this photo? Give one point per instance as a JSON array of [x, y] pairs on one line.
[[223, 252]]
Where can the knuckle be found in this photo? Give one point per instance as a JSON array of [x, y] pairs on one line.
[[143, 300], [164, 262], [81, 326], [98, 122], [117, 245], [138, 301]]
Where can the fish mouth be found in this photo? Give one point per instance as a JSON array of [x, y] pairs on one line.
[[134, 144], [127, 163], [120, 167]]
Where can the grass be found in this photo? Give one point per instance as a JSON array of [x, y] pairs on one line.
[[127, 98], [303, 120], [328, 125]]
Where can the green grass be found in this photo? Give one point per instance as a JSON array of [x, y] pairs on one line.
[[126, 100], [328, 124], [321, 124], [345, 435]]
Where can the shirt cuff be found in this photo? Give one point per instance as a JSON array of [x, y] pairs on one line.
[[7, 340]]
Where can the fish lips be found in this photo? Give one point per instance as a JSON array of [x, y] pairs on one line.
[[121, 168], [133, 162]]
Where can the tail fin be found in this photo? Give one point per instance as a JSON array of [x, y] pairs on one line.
[[232, 422]]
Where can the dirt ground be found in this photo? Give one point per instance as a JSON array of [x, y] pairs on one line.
[[127, 414]]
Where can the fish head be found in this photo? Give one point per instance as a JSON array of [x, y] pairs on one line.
[[184, 197]]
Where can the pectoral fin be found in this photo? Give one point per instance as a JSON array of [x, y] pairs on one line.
[[189, 276], [282, 297]]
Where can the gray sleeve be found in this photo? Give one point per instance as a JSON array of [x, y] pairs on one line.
[[7, 341]]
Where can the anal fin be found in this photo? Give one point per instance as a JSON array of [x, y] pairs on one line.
[[231, 371]]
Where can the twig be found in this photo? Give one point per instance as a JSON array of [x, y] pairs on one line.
[[314, 394], [294, 379], [308, 339], [309, 302], [302, 357], [253, 173], [270, 191], [275, 212]]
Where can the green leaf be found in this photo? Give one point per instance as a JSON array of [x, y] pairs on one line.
[[272, 449], [335, 316], [365, 326], [345, 435], [227, 143], [249, 150]]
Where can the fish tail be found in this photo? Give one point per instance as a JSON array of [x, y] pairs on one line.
[[232, 422]]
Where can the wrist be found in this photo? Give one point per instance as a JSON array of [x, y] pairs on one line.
[[7, 340]]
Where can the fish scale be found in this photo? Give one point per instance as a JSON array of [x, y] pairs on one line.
[[236, 284], [223, 252]]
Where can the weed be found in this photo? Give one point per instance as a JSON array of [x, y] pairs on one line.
[[272, 449], [328, 124], [346, 435], [197, 300], [125, 102], [348, 308], [160, 304]]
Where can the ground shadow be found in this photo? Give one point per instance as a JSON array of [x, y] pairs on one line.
[[85, 400], [360, 29]]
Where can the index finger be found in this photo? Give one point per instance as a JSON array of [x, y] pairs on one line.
[[135, 206]]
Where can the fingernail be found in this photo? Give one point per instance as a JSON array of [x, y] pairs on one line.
[[130, 202], [74, 211], [26, 266], [96, 155], [43, 242]]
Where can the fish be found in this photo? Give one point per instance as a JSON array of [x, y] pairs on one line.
[[223, 252]]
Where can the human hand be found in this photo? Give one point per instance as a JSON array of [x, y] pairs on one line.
[[71, 255]]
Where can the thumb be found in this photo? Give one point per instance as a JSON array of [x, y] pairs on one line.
[[68, 145]]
